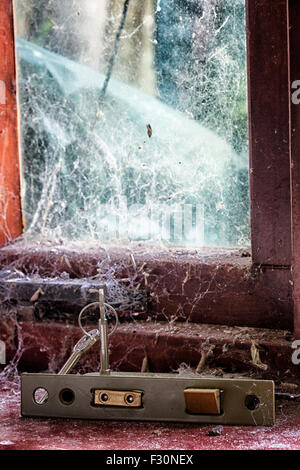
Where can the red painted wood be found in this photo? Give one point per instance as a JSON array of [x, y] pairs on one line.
[[166, 346], [10, 204], [294, 41], [57, 434], [269, 131]]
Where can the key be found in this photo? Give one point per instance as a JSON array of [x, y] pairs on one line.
[[82, 346]]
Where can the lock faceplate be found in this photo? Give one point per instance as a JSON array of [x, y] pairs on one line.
[[129, 399], [163, 398]]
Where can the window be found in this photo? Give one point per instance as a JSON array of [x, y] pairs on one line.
[[134, 121]]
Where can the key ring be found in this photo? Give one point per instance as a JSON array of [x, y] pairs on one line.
[[94, 304]]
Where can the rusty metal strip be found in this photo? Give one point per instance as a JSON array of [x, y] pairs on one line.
[[71, 292]]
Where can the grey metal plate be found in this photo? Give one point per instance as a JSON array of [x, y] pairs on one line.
[[71, 292], [163, 398]]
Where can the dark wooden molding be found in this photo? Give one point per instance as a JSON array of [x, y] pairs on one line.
[[269, 131], [294, 41], [212, 349]]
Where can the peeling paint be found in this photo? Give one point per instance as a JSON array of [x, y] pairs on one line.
[[2, 92]]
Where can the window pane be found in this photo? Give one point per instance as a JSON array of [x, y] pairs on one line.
[[134, 120]]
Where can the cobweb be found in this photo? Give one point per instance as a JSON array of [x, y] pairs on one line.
[[162, 156]]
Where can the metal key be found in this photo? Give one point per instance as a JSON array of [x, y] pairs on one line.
[[83, 345]]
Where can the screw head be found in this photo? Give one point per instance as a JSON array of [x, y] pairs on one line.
[[104, 397], [130, 399]]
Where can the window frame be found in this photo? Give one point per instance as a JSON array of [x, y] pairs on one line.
[[272, 272]]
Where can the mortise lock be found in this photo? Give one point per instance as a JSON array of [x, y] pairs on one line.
[[143, 396], [128, 399]]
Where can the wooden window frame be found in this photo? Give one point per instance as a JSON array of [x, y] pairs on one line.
[[264, 290]]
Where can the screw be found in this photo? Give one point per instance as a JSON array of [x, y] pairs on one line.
[[104, 397], [130, 399]]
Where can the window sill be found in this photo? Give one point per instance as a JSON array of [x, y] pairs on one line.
[[207, 285]]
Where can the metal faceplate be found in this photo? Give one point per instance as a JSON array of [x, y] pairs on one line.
[[163, 398]]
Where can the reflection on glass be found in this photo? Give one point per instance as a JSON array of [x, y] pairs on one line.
[[134, 120]]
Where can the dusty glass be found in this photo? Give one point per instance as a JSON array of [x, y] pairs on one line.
[[134, 120]]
